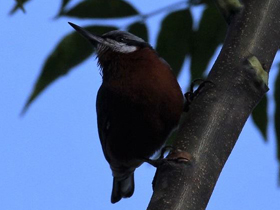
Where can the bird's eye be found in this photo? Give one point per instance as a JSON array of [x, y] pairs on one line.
[[121, 39]]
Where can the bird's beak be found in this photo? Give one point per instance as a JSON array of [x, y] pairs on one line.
[[94, 39]]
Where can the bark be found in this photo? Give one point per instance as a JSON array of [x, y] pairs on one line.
[[216, 117]]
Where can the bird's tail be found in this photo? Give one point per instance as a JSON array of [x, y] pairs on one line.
[[122, 188]]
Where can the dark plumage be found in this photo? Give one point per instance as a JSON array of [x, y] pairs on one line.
[[138, 104]]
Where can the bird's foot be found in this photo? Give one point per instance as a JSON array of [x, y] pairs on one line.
[[160, 159], [192, 94], [174, 155]]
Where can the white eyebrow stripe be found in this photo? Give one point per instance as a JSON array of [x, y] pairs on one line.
[[119, 46]]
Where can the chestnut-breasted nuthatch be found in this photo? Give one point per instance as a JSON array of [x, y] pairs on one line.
[[138, 104]]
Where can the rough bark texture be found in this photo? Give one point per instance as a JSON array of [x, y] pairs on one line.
[[216, 117]]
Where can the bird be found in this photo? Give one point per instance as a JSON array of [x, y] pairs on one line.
[[138, 105]]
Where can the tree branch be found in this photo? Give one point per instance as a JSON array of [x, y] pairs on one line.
[[216, 117]]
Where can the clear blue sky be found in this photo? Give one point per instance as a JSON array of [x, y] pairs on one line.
[[51, 158]]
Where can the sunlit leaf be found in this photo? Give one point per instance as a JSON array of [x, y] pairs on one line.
[[260, 117], [101, 9], [71, 51], [18, 5], [210, 34], [173, 42], [277, 110], [139, 29]]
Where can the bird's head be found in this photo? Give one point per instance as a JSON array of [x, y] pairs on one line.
[[115, 41]]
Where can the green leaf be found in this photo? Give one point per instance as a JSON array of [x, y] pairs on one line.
[[18, 5], [63, 5], [210, 34], [260, 117], [170, 140], [71, 51], [139, 29], [171, 137], [197, 2], [277, 111], [173, 42], [101, 9]]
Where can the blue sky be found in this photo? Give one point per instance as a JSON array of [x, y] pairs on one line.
[[51, 158]]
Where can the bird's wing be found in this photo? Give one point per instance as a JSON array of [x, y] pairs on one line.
[[103, 118]]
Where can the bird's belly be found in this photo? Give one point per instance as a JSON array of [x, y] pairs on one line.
[[140, 131]]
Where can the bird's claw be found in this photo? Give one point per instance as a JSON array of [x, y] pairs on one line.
[[157, 162], [192, 94], [175, 155]]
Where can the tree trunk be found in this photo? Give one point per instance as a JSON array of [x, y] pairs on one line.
[[216, 117]]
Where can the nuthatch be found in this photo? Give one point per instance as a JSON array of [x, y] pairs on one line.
[[138, 104]]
